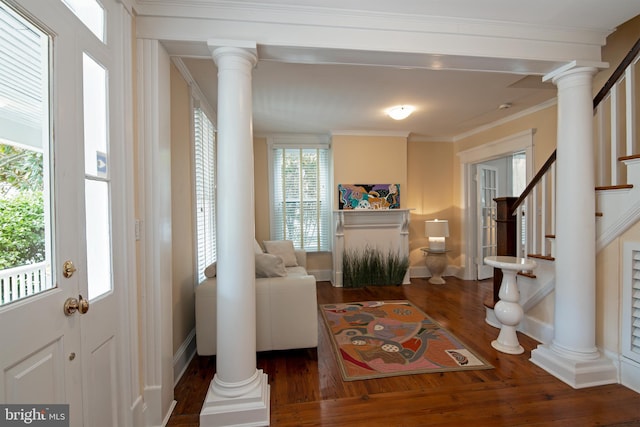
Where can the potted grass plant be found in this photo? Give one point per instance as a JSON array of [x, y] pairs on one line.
[[371, 267]]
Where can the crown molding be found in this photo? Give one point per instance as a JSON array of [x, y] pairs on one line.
[[399, 134], [516, 116]]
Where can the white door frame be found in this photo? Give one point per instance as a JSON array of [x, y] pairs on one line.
[[522, 141], [124, 226], [484, 271], [155, 250]]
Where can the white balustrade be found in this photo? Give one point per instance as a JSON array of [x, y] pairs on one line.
[[21, 282]]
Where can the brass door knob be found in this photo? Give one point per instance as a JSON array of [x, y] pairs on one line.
[[71, 305]]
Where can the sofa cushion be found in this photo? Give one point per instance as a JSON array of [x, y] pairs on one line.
[[296, 271], [284, 249], [256, 247], [269, 265]]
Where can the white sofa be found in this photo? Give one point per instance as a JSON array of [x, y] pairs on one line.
[[286, 311]]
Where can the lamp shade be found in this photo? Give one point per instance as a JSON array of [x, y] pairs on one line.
[[436, 228]]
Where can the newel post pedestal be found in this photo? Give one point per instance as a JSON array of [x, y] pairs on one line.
[[506, 230]]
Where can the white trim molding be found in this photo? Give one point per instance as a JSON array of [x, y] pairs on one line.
[[415, 38], [154, 167], [521, 141], [183, 356], [371, 133]]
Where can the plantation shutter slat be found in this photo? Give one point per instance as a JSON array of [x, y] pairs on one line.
[[301, 197], [632, 349], [205, 161]]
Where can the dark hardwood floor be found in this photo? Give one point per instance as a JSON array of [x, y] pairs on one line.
[[307, 389]]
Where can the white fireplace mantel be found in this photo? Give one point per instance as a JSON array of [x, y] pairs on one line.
[[386, 230]]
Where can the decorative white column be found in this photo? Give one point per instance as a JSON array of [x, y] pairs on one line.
[[239, 392], [572, 356]]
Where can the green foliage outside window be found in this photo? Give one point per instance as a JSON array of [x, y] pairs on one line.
[[21, 207], [21, 229]]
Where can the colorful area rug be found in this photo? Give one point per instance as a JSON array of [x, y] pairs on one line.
[[375, 339]]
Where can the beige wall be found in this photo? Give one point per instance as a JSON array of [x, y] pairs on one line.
[[369, 160], [618, 45], [544, 140], [182, 227], [429, 191], [261, 188]]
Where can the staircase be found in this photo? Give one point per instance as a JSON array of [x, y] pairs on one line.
[[617, 165]]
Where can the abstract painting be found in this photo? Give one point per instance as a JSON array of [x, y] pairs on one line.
[[369, 196]]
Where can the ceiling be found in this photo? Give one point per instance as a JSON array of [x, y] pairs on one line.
[[302, 95]]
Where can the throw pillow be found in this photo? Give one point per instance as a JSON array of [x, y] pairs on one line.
[[268, 265], [256, 247], [210, 271], [284, 249]]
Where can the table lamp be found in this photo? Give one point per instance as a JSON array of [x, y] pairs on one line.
[[436, 230]]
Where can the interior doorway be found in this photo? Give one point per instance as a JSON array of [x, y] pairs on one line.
[[513, 158], [501, 177]]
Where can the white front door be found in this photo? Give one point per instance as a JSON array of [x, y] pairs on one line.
[[486, 191], [57, 110]]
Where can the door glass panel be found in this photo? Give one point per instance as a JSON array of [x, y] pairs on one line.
[[91, 13], [25, 196], [97, 191], [98, 237]]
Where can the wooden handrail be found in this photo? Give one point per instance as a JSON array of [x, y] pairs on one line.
[[534, 182], [615, 76]]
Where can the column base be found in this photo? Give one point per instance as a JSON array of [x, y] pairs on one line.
[[249, 409], [576, 373]]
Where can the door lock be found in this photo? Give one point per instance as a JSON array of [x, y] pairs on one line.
[[68, 269], [71, 305]]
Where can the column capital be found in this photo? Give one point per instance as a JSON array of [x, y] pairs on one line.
[[574, 67], [239, 48]]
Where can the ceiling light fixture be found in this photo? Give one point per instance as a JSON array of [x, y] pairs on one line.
[[400, 112]]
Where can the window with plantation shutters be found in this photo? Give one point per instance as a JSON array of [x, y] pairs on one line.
[[205, 183], [631, 302], [300, 196]]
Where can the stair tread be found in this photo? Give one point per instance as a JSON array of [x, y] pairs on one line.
[[540, 256], [632, 157], [614, 187]]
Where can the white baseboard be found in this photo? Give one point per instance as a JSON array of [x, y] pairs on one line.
[[630, 374], [183, 356], [536, 329], [169, 412], [321, 275]]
